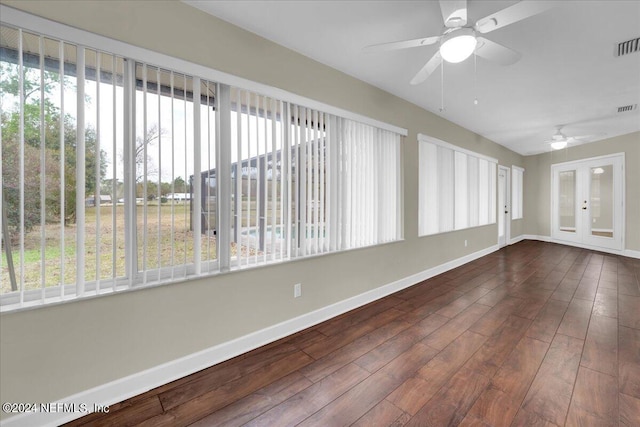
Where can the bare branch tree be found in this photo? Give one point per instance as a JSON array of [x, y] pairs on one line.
[[143, 144], [150, 137]]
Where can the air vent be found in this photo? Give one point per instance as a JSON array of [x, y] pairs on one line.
[[630, 46], [626, 108]]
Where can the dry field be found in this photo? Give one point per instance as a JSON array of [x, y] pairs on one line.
[[167, 241]]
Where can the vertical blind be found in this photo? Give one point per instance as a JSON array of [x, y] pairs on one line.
[[306, 182], [118, 173], [61, 112], [517, 177], [260, 171], [369, 175], [457, 187]]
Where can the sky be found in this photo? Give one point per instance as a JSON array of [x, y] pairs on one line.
[[172, 153]]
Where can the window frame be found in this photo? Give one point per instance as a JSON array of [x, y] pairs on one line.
[[29, 298]]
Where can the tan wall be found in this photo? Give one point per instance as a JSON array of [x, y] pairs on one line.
[[537, 190], [56, 351], [517, 226]]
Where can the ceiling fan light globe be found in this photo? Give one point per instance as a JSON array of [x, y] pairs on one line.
[[458, 45], [558, 145]]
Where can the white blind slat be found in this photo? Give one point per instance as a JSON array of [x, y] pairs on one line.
[[457, 188], [517, 192]]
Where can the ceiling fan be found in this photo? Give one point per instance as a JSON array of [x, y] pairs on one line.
[[559, 140], [459, 40]]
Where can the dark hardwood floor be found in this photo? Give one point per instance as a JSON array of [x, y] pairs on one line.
[[536, 334]]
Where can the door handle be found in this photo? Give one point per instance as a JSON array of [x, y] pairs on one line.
[[584, 208], [506, 212]]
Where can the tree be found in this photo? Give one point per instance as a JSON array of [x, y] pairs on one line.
[[165, 188], [53, 151], [152, 190], [179, 185], [113, 188], [152, 135]]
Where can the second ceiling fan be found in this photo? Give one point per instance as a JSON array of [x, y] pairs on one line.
[[459, 40], [559, 140]]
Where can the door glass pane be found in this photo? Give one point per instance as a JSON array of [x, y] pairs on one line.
[[601, 201], [567, 201]]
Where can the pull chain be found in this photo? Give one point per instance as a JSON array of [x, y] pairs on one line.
[[442, 109], [475, 77]]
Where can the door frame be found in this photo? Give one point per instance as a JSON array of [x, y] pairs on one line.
[[501, 210], [618, 161]]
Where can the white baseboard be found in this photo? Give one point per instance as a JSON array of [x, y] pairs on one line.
[[516, 239], [631, 253], [535, 237], [625, 252], [127, 387]]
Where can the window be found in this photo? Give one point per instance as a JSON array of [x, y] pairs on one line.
[[457, 187], [517, 174], [306, 182], [61, 110], [118, 173], [175, 147]]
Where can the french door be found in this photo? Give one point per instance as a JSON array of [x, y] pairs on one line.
[[587, 202]]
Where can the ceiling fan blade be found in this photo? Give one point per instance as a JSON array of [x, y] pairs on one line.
[[405, 44], [496, 52], [579, 137], [454, 13], [573, 139], [428, 68], [517, 12]]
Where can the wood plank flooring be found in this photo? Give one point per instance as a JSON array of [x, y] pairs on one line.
[[534, 334]]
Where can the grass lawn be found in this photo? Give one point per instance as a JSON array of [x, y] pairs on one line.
[[165, 243]]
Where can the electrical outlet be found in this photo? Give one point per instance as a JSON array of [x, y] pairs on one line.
[[297, 290], [465, 243]]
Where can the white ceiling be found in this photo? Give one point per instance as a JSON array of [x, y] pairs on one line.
[[568, 74]]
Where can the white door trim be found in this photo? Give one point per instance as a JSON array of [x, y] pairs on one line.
[[505, 210]]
